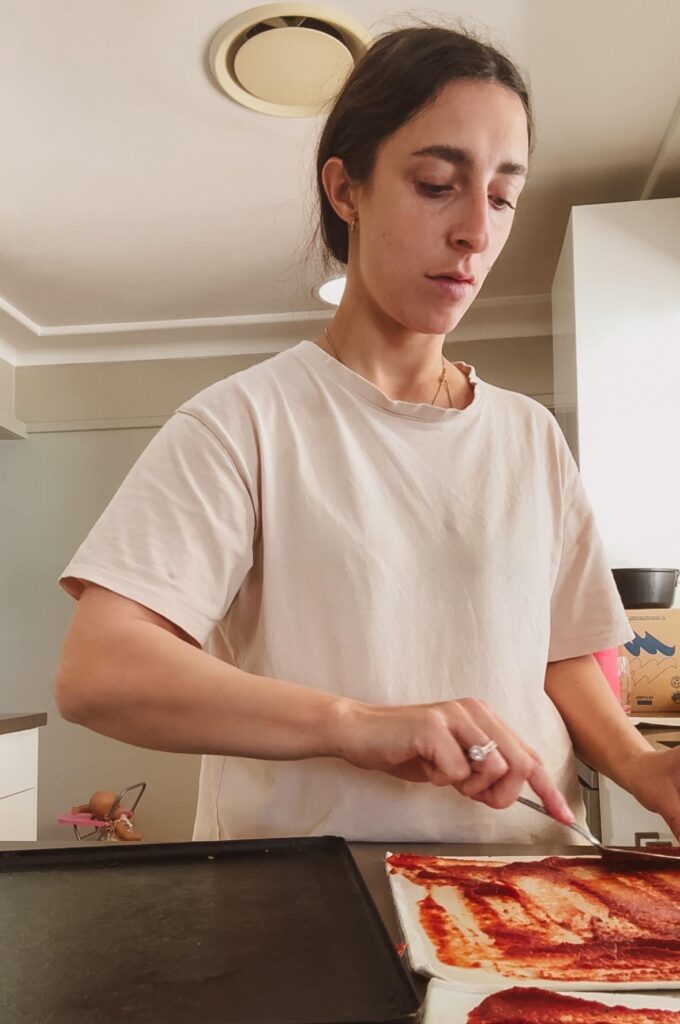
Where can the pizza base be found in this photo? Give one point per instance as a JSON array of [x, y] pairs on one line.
[[536, 1006], [555, 919]]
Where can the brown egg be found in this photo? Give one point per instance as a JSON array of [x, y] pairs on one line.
[[101, 803]]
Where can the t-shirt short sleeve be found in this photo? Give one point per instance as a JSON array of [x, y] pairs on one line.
[[586, 613], [177, 536]]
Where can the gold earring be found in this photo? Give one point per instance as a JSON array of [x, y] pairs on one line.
[[353, 223]]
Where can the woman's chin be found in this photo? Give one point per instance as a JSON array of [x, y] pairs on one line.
[[424, 317], [428, 324], [435, 317]]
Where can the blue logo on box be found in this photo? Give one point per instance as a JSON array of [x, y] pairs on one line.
[[650, 645]]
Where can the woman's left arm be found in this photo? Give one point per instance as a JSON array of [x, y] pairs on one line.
[[604, 737]]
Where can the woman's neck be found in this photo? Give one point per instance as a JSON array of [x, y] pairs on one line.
[[406, 367]]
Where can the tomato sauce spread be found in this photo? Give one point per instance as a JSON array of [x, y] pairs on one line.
[[534, 1005], [559, 918]]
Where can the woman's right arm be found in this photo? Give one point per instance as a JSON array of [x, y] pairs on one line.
[[130, 674]]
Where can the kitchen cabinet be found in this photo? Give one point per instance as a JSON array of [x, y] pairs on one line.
[[19, 776], [19, 815], [618, 419], [625, 822]]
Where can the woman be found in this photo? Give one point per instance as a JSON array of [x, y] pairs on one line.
[[392, 563]]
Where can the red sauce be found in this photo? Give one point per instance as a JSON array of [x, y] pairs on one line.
[[557, 918], [536, 1006]]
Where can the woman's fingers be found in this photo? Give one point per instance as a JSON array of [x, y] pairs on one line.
[[431, 743], [549, 795], [443, 761], [505, 792], [487, 782], [453, 731], [411, 771], [469, 730], [445, 732], [523, 766]]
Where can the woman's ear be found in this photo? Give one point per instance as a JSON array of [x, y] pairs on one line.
[[339, 189]]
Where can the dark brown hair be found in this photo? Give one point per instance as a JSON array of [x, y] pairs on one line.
[[398, 76]]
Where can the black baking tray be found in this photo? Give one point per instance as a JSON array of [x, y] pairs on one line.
[[280, 931]]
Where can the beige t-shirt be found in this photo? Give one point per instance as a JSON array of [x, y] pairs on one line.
[[300, 524]]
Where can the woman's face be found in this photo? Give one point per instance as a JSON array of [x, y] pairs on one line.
[[439, 203]]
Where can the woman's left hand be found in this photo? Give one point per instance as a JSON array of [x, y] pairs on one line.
[[606, 739], [654, 779]]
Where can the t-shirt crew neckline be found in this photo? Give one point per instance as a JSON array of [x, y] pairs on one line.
[[314, 355]]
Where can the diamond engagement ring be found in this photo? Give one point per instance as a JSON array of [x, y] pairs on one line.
[[477, 753]]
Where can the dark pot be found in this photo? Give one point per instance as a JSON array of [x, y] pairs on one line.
[[646, 588]]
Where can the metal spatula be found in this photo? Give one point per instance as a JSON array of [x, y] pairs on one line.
[[621, 857]]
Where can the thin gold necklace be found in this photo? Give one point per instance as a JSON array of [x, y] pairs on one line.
[[442, 380]]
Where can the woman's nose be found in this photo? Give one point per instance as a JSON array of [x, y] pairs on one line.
[[470, 228]]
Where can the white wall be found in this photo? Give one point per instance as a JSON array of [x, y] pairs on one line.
[[54, 486], [621, 333], [10, 426]]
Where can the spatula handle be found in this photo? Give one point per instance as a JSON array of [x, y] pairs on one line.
[[584, 832]]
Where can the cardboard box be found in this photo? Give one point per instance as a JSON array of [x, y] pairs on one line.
[[653, 658]]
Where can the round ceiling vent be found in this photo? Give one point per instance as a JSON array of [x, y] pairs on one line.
[[287, 59]]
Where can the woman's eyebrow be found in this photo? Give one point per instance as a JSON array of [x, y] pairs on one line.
[[456, 155]]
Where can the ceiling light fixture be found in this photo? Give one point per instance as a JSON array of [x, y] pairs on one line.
[[286, 59], [331, 291]]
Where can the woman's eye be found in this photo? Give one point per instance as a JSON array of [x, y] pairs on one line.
[[438, 190], [433, 190], [502, 203]]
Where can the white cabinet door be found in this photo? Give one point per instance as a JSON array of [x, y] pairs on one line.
[[19, 817], [624, 819], [18, 761]]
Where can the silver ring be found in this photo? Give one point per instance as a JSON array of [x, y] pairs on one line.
[[479, 753]]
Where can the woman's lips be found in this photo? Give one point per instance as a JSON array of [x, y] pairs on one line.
[[453, 288]]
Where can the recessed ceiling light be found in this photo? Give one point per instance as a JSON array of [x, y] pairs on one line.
[[331, 292], [286, 59]]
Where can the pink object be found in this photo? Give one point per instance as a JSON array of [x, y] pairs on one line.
[[87, 819], [609, 663], [83, 819]]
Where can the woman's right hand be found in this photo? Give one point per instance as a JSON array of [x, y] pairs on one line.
[[428, 743], [125, 672]]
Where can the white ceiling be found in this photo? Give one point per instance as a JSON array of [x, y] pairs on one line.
[[144, 213]]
